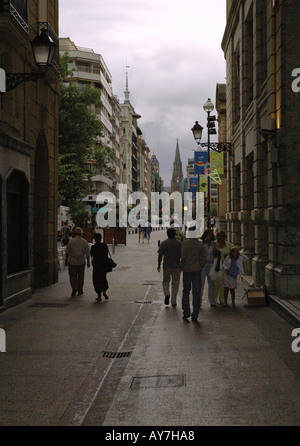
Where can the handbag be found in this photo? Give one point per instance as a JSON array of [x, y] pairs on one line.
[[110, 264], [217, 268], [214, 273]]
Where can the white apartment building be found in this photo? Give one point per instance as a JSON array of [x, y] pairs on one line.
[[89, 68]]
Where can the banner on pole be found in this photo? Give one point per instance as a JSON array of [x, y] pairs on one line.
[[217, 159], [200, 159], [203, 184]]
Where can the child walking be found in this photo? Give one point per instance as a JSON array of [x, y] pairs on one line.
[[233, 266]]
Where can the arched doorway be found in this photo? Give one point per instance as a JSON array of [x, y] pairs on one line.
[[17, 193]]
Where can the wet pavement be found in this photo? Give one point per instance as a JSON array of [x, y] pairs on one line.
[[132, 361]]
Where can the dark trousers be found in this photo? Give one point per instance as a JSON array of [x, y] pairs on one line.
[[76, 273], [99, 280]]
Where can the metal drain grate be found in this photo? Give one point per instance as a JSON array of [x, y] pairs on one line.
[[143, 301], [144, 382], [116, 354], [48, 305]]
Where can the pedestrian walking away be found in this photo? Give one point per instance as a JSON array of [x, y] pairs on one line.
[[147, 231], [193, 258], [170, 252], [99, 254], [233, 266], [209, 246], [141, 230], [65, 230], [222, 248], [77, 252]]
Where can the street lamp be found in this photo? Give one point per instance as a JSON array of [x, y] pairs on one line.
[[208, 108], [215, 146], [43, 48], [197, 132]]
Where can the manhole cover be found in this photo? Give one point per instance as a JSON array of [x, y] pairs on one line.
[[143, 382], [48, 305], [115, 354]]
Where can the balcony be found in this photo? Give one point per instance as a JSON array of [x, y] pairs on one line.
[[18, 9], [14, 23]]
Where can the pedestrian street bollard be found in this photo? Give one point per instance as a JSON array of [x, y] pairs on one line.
[[2, 340]]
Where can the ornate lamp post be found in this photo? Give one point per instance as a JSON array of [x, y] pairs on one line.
[[217, 147], [43, 48]]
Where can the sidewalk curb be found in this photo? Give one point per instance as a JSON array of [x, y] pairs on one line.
[[286, 309]]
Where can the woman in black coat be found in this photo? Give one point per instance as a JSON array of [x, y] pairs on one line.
[[99, 254]]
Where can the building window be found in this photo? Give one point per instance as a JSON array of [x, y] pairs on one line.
[[236, 79], [85, 67], [17, 222], [249, 187], [262, 39], [249, 58], [82, 84], [236, 191]]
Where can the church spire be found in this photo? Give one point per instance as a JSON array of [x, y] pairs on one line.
[[177, 154], [127, 92], [177, 171]]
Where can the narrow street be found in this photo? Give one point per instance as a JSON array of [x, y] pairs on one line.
[[131, 361]]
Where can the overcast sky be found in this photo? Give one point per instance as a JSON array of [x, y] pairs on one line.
[[173, 48]]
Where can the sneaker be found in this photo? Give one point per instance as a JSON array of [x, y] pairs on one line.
[[194, 319], [167, 300], [73, 293], [186, 316], [99, 298], [80, 293], [174, 305], [105, 296]]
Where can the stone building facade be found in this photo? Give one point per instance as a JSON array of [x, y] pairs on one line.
[[262, 46], [222, 188], [28, 153], [157, 184]]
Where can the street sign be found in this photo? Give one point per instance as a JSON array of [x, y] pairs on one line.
[[2, 81]]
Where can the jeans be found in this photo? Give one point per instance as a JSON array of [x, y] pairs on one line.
[[191, 280], [205, 273]]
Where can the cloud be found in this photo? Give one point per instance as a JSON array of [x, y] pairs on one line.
[[173, 48]]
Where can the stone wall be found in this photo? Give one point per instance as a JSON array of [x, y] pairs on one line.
[[29, 144], [261, 46]]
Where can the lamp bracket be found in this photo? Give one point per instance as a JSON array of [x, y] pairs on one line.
[[15, 79], [218, 146]]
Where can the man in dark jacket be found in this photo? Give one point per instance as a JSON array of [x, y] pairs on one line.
[[170, 251]]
